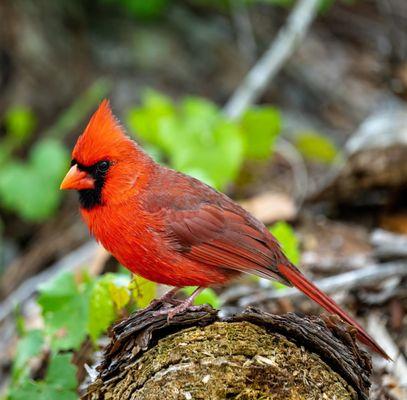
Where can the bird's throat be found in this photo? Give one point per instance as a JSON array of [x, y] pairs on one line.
[[90, 198]]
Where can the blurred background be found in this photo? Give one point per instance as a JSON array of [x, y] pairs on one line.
[[314, 144]]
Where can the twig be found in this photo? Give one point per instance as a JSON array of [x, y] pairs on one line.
[[299, 169], [388, 244], [348, 280], [288, 39], [379, 332], [74, 260]]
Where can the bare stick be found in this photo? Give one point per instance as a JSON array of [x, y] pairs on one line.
[[388, 244], [379, 332], [287, 41], [348, 280]]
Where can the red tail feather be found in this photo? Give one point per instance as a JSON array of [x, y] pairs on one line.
[[308, 288]]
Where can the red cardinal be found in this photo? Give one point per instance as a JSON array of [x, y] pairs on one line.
[[171, 228]]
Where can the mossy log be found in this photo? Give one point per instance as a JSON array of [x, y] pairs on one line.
[[254, 355]]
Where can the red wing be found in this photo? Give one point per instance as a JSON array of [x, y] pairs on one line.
[[225, 239]]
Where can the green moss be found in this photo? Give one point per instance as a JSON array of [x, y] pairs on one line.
[[226, 361]]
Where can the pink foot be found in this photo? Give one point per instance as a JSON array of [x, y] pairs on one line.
[[166, 298], [181, 307]]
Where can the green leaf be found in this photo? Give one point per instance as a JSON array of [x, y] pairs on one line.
[[28, 346], [120, 295], [203, 143], [61, 372], [65, 308], [146, 121], [316, 147], [50, 159], [60, 382], [285, 234], [261, 126], [13, 179], [20, 122], [207, 296], [143, 291], [39, 177], [196, 137], [101, 310], [109, 294]]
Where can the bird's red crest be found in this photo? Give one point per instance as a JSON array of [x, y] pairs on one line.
[[102, 138]]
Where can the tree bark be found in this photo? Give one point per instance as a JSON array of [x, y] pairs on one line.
[[253, 355]]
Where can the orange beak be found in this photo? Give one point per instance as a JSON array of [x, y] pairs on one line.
[[76, 179]]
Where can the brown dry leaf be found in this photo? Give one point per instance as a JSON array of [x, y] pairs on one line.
[[270, 207]]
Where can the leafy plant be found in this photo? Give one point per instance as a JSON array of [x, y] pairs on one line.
[[65, 308], [59, 382], [262, 126], [288, 240], [316, 147], [20, 123], [144, 10], [109, 294], [208, 296], [73, 307], [30, 188], [285, 234], [143, 291], [29, 346], [198, 139]]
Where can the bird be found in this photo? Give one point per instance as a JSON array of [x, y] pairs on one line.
[[171, 228]]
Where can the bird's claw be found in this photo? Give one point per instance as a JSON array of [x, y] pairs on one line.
[[171, 312]]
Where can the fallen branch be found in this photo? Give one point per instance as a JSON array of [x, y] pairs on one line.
[[388, 244], [288, 39], [346, 281], [251, 355], [379, 332]]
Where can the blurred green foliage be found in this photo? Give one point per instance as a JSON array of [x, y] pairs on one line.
[[109, 295], [143, 291], [289, 242], [29, 346], [316, 147], [31, 188], [141, 9], [28, 188], [75, 306], [207, 296], [199, 140], [65, 309], [19, 122], [285, 234], [59, 383]]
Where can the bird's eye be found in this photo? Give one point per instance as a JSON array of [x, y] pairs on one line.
[[103, 166]]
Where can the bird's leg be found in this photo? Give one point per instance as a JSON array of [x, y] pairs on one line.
[[166, 298], [171, 312]]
